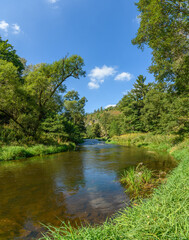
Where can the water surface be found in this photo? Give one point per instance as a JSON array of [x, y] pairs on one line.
[[79, 187]]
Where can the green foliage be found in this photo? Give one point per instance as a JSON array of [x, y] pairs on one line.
[[155, 110], [164, 27], [158, 142], [69, 125], [97, 130], [30, 101], [132, 104], [146, 108], [8, 54], [111, 121], [74, 109], [17, 152], [89, 132], [114, 129]]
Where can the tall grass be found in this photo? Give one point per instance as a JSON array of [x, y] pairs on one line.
[[18, 152], [164, 216], [137, 180]]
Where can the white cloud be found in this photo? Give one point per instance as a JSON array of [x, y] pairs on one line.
[[16, 28], [93, 85], [53, 1], [4, 26], [111, 105], [97, 76], [124, 76]]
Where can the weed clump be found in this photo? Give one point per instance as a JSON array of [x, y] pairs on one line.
[[140, 181]]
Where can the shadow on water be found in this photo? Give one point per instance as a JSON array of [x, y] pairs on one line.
[[78, 186]]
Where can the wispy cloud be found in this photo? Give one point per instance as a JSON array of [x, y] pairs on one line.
[[52, 1], [16, 28], [4, 26], [125, 92], [124, 76], [98, 75], [110, 105]]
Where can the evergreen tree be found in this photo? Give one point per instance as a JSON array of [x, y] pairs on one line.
[[132, 104]]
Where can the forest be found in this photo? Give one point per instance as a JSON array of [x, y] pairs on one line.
[[154, 107], [34, 105]]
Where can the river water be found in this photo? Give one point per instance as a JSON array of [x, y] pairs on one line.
[[79, 186]]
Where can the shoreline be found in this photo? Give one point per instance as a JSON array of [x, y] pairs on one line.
[[165, 215]]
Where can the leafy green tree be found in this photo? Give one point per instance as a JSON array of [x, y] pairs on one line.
[[57, 128], [164, 27], [175, 118], [8, 53], [97, 130], [11, 93], [114, 129], [155, 104], [28, 102], [105, 120], [74, 109], [89, 132]]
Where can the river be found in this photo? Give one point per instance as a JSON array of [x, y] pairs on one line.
[[78, 186]]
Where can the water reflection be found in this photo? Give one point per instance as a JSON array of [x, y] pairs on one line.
[[76, 186]]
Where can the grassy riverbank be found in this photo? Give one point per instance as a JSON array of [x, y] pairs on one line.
[[18, 152], [164, 216]]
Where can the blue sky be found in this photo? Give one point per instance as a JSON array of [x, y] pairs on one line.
[[99, 31]]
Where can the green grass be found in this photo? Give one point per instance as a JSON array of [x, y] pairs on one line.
[[18, 152], [164, 216], [138, 181]]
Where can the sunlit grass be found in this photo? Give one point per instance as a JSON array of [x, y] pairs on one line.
[[17, 152]]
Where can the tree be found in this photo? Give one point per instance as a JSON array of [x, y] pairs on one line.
[[89, 132], [97, 130], [28, 102], [8, 53], [132, 104], [114, 129], [105, 120], [164, 27], [11, 92], [156, 103], [74, 109]]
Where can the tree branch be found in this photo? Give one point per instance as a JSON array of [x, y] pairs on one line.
[[12, 117]]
